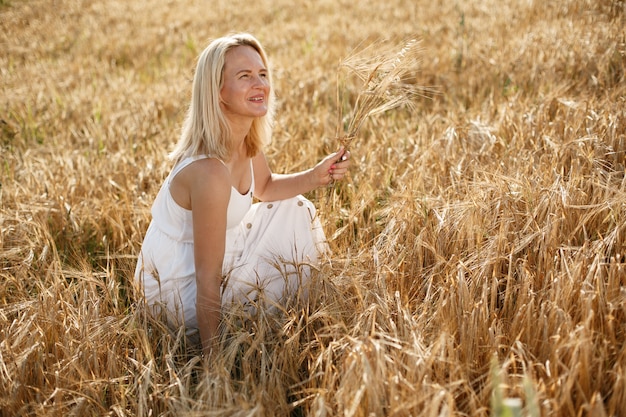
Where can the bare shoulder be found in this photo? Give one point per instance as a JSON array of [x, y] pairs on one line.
[[208, 174], [260, 166], [259, 158], [207, 166], [200, 178]]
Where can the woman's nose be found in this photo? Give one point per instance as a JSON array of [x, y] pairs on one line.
[[261, 81]]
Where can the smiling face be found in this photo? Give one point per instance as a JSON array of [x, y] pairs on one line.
[[245, 90]]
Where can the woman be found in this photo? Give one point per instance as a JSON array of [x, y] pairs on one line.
[[207, 244]]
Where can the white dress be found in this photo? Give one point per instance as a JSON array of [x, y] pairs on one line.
[[270, 249]]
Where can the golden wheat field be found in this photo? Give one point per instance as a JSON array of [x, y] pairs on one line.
[[479, 243]]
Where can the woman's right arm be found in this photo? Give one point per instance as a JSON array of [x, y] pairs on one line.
[[209, 190]]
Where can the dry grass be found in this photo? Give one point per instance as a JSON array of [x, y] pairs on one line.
[[478, 246]]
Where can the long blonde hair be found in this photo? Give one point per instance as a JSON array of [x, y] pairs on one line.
[[205, 130]]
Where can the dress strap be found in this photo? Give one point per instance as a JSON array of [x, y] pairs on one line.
[[252, 174]]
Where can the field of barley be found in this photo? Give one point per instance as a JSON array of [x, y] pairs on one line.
[[478, 245]]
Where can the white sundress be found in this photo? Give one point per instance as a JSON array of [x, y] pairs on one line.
[[270, 248]]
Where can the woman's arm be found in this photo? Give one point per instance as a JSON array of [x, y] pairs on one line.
[[209, 190], [272, 187]]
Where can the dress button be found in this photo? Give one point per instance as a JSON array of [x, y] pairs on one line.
[[270, 205], [249, 225], [300, 203]]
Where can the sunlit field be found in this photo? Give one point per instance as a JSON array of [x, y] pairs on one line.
[[478, 244]]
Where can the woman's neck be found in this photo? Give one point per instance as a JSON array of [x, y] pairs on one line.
[[239, 128], [238, 132]]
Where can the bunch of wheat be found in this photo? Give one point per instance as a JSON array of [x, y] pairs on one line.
[[389, 81]]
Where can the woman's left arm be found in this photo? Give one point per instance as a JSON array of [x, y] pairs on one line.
[[272, 187]]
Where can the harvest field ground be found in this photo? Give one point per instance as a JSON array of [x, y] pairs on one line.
[[478, 244]]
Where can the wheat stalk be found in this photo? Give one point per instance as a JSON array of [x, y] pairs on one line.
[[389, 80]]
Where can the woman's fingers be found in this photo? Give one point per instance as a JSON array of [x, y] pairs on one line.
[[340, 167]]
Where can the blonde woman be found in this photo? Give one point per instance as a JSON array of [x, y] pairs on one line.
[[208, 245]]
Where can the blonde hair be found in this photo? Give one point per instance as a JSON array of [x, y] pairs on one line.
[[205, 130]]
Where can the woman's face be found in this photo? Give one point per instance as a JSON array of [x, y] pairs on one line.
[[246, 86]]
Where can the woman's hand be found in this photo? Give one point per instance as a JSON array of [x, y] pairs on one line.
[[332, 168], [271, 187]]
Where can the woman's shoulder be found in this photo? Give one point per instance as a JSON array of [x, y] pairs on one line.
[[188, 160], [206, 159], [199, 177], [208, 179], [208, 167], [198, 162], [204, 168]]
